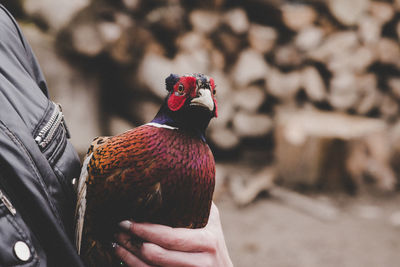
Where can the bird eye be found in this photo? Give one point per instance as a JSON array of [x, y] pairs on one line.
[[181, 90]]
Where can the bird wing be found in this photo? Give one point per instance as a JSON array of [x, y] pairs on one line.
[[81, 191], [113, 165], [81, 203]]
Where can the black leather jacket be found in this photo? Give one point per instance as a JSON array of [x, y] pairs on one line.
[[37, 162]]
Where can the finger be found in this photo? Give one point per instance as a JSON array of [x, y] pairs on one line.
[[128, 258], [214, 221], [214, 212], [123, 238], [214, 216], [182, 239], [128, 241], [159, 256]]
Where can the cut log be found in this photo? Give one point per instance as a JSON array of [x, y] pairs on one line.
[[204, 21], [283, 85], [152, 72], [388, 51], [196, 61], [313, 84], [86, 40], [362, 57], [298, 16], [191, 41], [244, 189], [249, 68], [354, 61], [117, 37], [343, 91], [334, 44], [169, 18], [237, 20], [348, 12], [224, 138], [382, 11], [131, 5], [262, 38], [369, 29], [369, 95], [110, 32], [309, 38], [249, 99], [217, 60], [228, 43], [251, 125], [288, 56]]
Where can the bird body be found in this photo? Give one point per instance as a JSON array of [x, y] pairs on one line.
[[161, 172]]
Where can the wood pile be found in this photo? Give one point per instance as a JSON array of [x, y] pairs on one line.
[[324, 61]]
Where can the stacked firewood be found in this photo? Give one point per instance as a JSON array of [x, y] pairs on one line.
[[310, 87]]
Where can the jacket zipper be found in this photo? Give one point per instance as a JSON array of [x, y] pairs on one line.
[[47, 132], [7, 203]]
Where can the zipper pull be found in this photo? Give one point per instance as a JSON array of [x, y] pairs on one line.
[[64, 123], [67, 132], [7, 203]]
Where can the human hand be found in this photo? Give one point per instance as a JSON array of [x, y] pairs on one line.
[[179, 247]]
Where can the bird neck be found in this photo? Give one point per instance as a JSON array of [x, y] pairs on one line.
[[194, 122]]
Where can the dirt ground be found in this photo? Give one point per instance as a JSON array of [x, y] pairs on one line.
[[366, 233]]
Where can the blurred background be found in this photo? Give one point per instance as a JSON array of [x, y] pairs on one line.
[[307, 139]]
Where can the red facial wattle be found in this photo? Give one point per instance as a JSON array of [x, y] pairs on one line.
[[178, 97], [213, 93]]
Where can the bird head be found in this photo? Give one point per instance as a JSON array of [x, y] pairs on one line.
[[190, 103], [191, 92]]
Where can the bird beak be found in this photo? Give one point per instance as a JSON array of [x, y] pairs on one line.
[[204, 99]]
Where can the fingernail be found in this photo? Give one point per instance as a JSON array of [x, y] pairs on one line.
[[126, 225], [114, 245]]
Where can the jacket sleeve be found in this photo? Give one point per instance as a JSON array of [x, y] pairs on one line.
[[35, 176], [14, 44]]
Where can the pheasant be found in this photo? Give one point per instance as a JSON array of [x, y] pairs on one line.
[[161, 172]]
